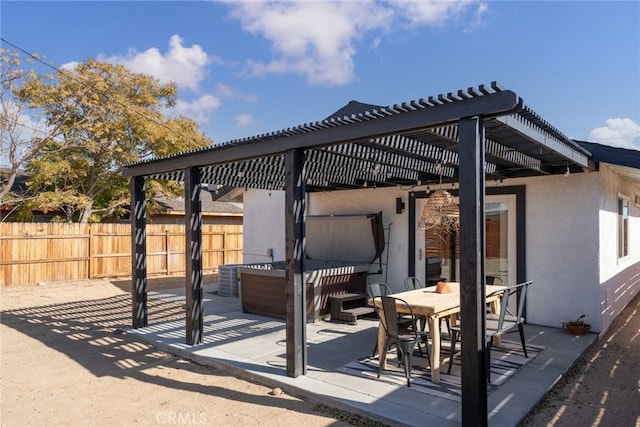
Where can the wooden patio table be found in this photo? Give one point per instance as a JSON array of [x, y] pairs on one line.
[[427, 302]]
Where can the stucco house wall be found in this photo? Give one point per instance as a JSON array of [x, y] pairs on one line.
[[572, 237], [571, 240], [619, 278], [562, 248]]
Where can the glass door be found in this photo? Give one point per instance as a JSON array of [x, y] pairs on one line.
[[421, 244], [439, 252], [500, 226]]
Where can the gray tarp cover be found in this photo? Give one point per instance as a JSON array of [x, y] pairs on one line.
[[358, 239]]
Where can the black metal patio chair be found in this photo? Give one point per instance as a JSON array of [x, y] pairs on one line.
[[404, 339], [379, 289], [511, 315]]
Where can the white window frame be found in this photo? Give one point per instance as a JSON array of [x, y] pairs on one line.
[[623, 222]]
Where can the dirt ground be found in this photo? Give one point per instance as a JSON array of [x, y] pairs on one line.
[[64, 362], [603, 389]]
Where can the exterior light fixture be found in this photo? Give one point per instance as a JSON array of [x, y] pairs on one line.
[[440, 211]]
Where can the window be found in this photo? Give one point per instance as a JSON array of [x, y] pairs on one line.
[[623, 226]]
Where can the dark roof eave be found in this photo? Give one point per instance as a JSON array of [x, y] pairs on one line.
[[613, 155]]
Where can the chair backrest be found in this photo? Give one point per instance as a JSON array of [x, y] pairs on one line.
[[390, 322], [433, 267], [512, 307], [491, 280], [412, 283], [378, 289]]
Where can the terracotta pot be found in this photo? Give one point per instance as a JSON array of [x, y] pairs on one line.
[[443, 288], [578, 329]]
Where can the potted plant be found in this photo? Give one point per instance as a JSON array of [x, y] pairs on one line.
[[577, 327]]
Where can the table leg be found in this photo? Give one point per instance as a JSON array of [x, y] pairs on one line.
[[494, 306], [434, 328], [453, 320], [382, 349]]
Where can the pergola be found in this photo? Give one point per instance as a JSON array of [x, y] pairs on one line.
[[470, 136]]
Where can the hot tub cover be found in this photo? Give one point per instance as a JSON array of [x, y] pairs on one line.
[[357, 239]]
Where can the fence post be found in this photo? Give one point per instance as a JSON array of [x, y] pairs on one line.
[[90, 249], [166, 249], [224, 247]]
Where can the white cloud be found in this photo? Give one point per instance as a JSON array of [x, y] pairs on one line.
[[199, 109], [318, 38], [478, 17], [245, 120], [376, 43], [70, 66], [315, 39], [186, 66], [225, 91], [431, 12], [619, 132]]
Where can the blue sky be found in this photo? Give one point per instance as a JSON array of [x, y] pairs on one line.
[[248, 67]]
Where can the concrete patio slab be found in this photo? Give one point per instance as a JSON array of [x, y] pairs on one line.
[[253, 347]]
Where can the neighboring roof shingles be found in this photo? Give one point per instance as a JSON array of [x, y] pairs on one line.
[[613, 155], [208, 205], [352, 108]]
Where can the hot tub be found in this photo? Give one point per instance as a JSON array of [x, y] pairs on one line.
[[340, 252]]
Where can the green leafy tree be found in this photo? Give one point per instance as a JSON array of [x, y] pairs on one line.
[[107, 117]]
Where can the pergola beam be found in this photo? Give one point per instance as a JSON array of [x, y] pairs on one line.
[[546, 139]]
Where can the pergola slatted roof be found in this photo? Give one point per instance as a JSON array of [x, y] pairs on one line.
[[517, 144]]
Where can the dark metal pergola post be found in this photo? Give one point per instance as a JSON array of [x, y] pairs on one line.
[[139, 253], [472, 254], [193, 238], [295, 294]]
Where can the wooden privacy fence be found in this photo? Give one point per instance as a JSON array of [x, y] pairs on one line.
[[48, 252]]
